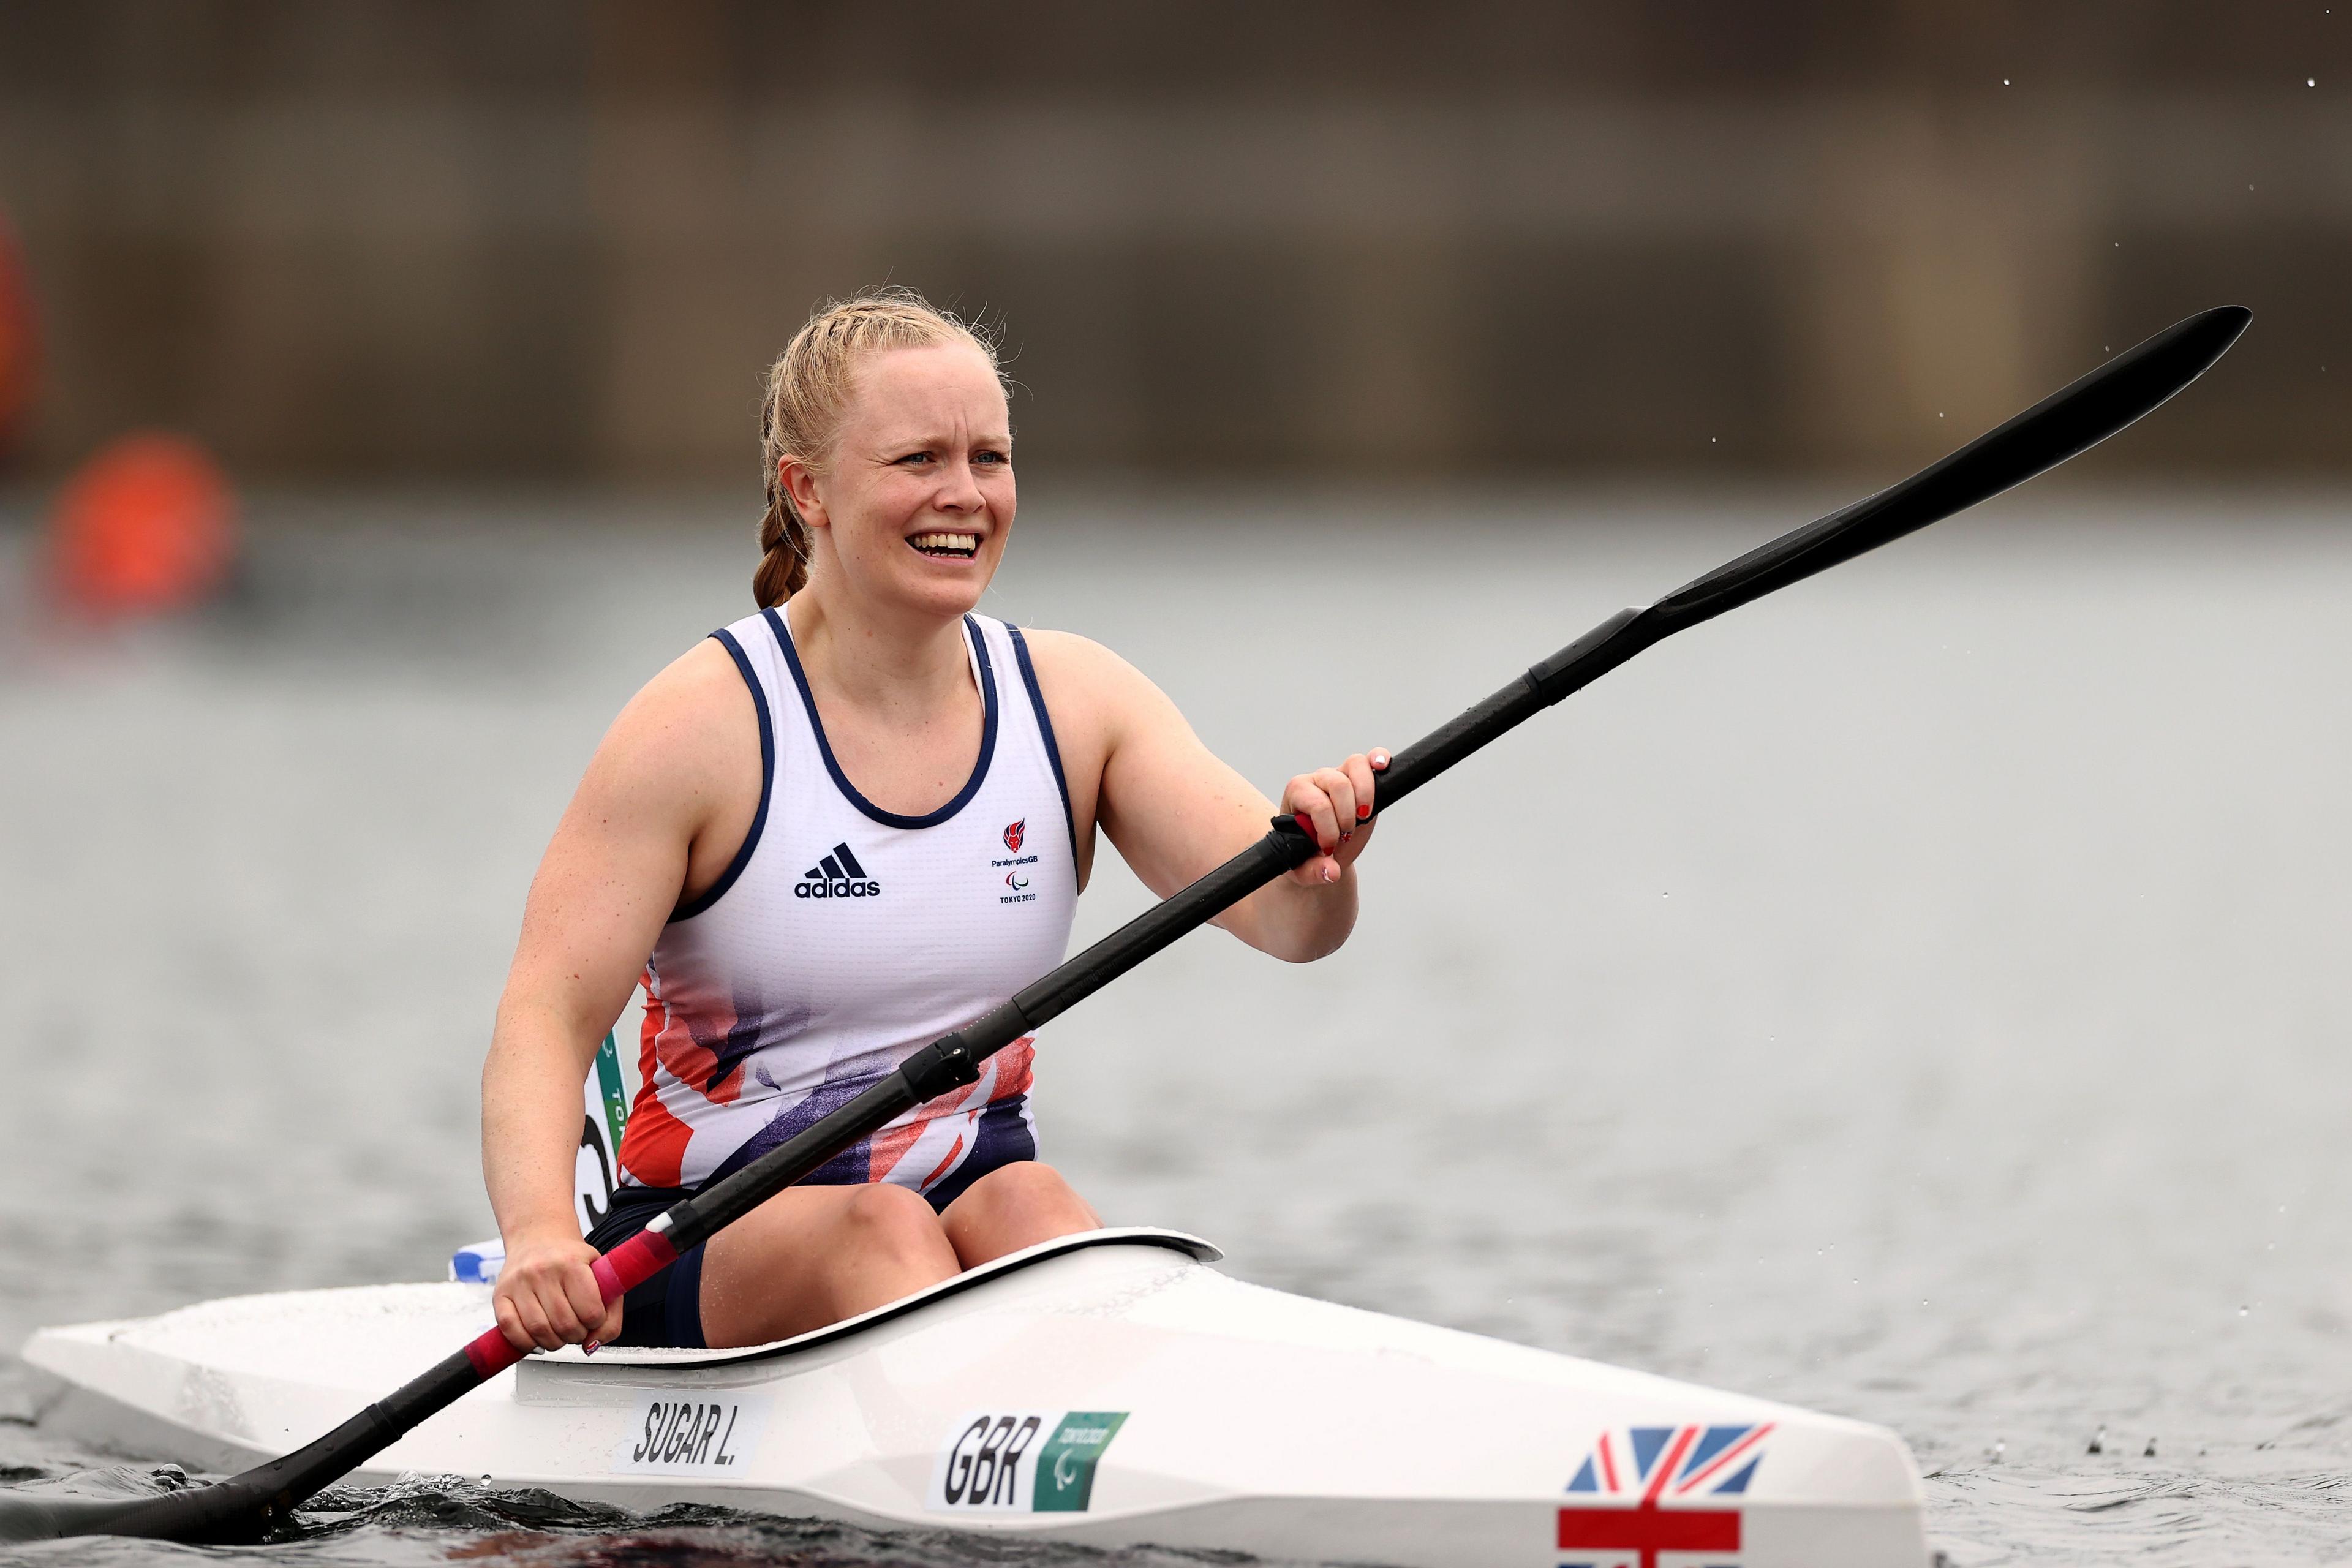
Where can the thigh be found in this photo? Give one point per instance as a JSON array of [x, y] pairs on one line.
[[813, 1256]]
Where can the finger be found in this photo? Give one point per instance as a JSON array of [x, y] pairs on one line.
[[606, 1326], [1312, 808], [609, 1330], [1318, 872], [1341, 791], [560, 1318], [510, 1325], [1358, 769], [534, 1324], [1379, 757], [586, 1301]]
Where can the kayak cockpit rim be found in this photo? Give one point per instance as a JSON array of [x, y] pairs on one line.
[[639, 1359]]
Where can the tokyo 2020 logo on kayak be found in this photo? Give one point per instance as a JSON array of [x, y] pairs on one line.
[[1014, 833], [1664, 1476]]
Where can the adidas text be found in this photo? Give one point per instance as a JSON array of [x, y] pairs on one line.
[[836, 888]]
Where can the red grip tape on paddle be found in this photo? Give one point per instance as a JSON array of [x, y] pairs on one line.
[[633, 1263], [491, 1354]]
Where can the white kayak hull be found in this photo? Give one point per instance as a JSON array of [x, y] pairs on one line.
[[1109, 1389]]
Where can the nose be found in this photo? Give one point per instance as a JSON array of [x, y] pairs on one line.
[[958, 488]]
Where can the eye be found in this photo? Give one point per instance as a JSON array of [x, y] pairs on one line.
[[993, 456], [916, 458]]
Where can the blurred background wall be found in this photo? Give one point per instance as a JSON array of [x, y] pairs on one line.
[[351, 239]]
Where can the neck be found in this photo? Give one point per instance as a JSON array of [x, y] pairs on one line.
[[877, 658]]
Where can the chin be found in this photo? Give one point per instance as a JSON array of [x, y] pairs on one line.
[[943, 596]]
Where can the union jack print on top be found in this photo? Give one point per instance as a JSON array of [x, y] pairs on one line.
[[1652, 1489]]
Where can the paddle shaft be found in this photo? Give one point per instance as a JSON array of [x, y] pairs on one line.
[[2066, 423]]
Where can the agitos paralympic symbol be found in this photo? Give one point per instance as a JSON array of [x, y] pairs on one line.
[[1653, 1467]]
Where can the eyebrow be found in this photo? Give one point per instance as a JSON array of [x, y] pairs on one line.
[[909, 443]]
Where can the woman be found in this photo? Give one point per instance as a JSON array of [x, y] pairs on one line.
[[842, 827]]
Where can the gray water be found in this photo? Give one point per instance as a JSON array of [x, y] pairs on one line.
[[1914, 996]]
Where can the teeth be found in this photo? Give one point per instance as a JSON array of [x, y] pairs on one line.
[[967, 544]]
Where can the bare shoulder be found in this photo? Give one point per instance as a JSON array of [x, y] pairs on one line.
[[1103, 708], [1081, 670], [686, 733]]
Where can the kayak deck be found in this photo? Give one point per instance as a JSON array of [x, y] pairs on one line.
[[1110, 1388]]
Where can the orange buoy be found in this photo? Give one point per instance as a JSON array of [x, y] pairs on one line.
[[19, 345], [146, 525]]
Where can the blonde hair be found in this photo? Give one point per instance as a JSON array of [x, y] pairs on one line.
[[808, 396]]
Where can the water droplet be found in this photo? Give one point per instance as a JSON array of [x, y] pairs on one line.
[[485, 1477], [2150, 1452], [2311, 81], [2004, 81], [2244, 1310]]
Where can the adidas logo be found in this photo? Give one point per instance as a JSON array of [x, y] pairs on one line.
[[837, 876]]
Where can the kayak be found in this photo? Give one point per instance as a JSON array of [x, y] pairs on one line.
[[1110, 1389]]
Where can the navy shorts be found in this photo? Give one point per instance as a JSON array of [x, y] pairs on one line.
[[665, 1311]]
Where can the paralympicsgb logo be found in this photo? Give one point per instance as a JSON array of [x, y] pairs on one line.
[[1014, 833]]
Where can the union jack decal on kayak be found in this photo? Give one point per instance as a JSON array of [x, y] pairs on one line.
[[1656, 1482]]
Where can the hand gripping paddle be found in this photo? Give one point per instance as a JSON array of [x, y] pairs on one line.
[[2070, 421]]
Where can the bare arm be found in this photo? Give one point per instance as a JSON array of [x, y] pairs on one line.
[[1176, 810], [642, 828]]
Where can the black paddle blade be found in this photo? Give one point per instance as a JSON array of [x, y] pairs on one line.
[[2070, 420], [215, 1515], [250, 1505]]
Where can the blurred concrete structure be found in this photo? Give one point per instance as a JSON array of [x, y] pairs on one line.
[[523, 237]]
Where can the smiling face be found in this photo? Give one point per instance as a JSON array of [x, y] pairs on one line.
[[917, 499]]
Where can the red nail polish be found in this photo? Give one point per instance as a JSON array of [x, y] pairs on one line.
[[1363, 813], [591, 1347]]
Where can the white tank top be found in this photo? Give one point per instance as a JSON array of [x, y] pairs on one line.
[[844, 936]]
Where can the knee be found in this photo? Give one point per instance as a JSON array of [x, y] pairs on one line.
[[891, 1220], [1027, 1189]]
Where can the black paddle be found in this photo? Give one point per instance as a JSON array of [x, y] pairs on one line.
[[2089, 412]]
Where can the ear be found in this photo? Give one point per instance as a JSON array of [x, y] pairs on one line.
[[799, 481]]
